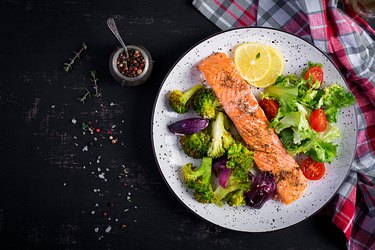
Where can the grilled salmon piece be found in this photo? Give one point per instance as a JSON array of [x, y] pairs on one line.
[[242, 108]]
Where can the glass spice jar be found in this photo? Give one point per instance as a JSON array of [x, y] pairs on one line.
[[131, 71]]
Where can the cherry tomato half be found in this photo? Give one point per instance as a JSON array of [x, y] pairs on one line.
[[270, 108], [312, 170], [318, 120], [317, 74]]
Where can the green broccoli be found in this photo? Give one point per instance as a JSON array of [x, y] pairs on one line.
[[237, 198], [240, 157], [240, 161], [206, 104], [199, 180], [221, 139], [178, 100], [195, 145], [235, 191]]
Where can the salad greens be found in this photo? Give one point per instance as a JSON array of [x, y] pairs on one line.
[[297, 100]]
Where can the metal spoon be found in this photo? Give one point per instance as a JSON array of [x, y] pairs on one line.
[[112, 26]]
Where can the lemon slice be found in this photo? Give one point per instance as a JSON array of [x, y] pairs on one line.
[[253, 61], [277, 68]]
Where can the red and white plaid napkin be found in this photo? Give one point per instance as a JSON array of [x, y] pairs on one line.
[[350, 42]]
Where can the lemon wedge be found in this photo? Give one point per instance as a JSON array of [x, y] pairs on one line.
[[253, 61], [267, 68], [277, 68]]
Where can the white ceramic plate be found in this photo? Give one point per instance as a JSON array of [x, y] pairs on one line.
[[170, 158]]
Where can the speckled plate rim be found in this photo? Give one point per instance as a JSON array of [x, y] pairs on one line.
[[154, 111]]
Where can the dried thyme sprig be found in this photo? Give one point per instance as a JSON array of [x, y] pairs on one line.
[[94, 79], [68, 65], [85, 96]]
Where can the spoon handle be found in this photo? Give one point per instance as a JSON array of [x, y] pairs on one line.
[[112, 26]]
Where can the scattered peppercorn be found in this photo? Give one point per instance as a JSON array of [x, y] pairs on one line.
[[132, 66]]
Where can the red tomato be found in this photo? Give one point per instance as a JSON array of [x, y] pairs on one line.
[[317, 74], [270, 108], [318, 120], [312, 170]]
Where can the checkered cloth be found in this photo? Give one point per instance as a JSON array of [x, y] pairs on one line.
[[349, 41]]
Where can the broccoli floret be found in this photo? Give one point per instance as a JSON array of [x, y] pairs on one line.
[[195, 145], [178, 100], [199, 180], [236, 198], [235, 191], [221, 193], [240, 161], [206, 104], [240, 157], [221, 139]]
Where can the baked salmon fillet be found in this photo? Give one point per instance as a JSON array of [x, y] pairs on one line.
[[242, 108]]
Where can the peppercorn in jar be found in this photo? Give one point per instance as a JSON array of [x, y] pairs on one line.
[[133, 70]]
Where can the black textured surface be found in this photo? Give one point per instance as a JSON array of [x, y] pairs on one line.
[[48, 188]]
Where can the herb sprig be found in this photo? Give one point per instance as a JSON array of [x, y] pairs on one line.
[[94, 79], [68, 65], [85, 96]]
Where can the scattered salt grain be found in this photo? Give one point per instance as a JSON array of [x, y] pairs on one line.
[[111, 104], [108, 229], [85, 148], [96, 229], [126, 210], [113, 126], [64, 184], [74, 121], [99, 169], [92, 212], [128, 198], [101, 176], [53, 106]]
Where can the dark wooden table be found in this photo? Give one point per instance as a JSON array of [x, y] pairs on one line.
[[56, 195]]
